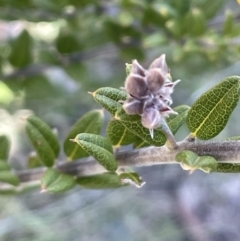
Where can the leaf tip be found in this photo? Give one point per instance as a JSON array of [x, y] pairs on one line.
[[43, 190], [191, 171], [69, 159], [25, 117], [101, 111]]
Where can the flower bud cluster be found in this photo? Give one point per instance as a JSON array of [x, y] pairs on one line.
[[149, 92]]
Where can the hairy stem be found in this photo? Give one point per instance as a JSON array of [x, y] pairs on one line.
[[224, 152], [171, 141]]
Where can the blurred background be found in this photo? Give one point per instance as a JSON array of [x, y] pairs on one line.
[[53, 52]]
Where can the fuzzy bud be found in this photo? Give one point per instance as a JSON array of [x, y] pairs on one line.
[[133, 106], [166, 111], [155, 80], [136, 86], [149, 93], [167, 90], [138, 69], [151, 118], [161, 64]]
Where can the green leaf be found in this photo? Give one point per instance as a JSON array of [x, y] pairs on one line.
[[4, 166], [123, 116], [6, 94], [34, 161], [128, 68], [109, 98], [153, 16], [100, 148], [195, 22], [116, 32], [228, 23], [91, 122], [16, 4], [182, 6], [54, 181], [210, 113], [119, 134], [174, 26], [139, 143], [43, 140], [228, 168], [131, 178], [8, 191], [37, 91], [4, 147], [67, 43], [21, 50], [128, 129], [8, 177], [101, 181], [47, 56], [82, 3], [137, 129], [132, 52], [134, 125], [176, 121], [210, 8], [191, 161]]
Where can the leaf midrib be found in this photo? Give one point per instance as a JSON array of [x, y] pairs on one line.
[[46, 140], [77, 146], [203, 122]]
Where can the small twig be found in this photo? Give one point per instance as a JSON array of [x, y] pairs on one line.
[[171, 141]]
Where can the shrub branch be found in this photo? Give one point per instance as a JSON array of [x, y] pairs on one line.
[[224, 152]]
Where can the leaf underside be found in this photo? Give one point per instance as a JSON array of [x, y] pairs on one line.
[[4, 147], [191, 161], [53, 181], [100, 181]]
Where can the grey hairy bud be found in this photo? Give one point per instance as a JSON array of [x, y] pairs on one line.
[[151, 119], [160, 63], [133, 106], [166, 111], [155, 80], [172, 84], [149, 93], [138, 69], [168, 89], [136, 86]]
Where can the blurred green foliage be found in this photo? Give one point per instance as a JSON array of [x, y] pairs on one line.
[[67, 34], [53, 52]]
